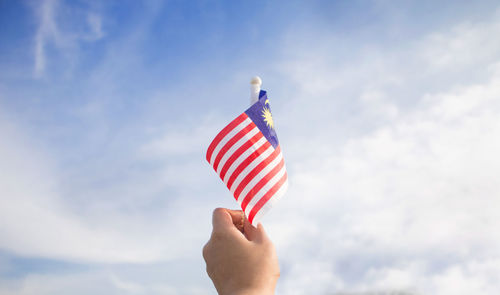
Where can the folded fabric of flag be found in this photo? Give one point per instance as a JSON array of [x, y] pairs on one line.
[[247, 157]]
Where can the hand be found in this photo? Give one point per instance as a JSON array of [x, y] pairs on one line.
[[241, 260]]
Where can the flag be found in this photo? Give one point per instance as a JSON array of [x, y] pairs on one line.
[[247, 157]]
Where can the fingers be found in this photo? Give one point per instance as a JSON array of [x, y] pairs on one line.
[[255, 234], [226, 220], [238, 217]]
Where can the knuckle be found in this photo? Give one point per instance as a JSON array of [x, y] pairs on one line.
[[217, 236], [269, 249], [268, 245], [206, 251], [218, 214], [218, 211]]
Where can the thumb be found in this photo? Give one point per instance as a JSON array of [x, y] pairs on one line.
[[221, 220]]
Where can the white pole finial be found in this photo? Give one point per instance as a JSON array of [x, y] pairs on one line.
[[255, 84]]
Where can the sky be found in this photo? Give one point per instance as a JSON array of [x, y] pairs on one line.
[[388, 115]]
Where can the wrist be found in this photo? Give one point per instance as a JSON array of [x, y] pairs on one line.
[[249, 287], [253, 292]]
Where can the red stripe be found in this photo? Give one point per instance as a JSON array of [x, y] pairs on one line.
[[255, 171], [261, 183], [238, 153], [231, 142], [266, 197], [223, 133], [247, 162]]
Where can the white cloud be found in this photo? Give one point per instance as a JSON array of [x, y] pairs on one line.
[[46, 30], [177, 141], [459, 279], [392, 158], [94, 22], [59, 31], [37, 220], [85, 282], [464, 45], [397, 194]]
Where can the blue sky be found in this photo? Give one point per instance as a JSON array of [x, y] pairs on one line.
[[387, 112]]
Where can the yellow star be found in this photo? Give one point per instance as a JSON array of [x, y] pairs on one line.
[[268, 118]]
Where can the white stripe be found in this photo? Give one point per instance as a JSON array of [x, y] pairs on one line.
[[260, 175], [228, 136], [243, 156], [264, 190], [270, 203], [235, 147], [250, 167]]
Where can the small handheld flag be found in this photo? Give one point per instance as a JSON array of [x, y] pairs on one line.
[[247, 157]]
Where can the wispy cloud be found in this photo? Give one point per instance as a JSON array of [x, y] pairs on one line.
[[401, 193], [58, 31], [47, 30], [390, 146]]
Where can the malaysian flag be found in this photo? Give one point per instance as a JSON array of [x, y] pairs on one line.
[[247, 157]]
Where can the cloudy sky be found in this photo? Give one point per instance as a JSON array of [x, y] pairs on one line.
[[388, 113]]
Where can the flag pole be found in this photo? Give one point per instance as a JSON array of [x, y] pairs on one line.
[[255, 84]]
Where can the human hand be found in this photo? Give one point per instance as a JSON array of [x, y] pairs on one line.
[[241, 259]]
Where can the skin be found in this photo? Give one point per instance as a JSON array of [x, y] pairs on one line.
[[241, 259]]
